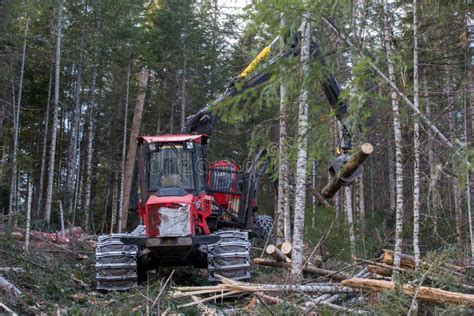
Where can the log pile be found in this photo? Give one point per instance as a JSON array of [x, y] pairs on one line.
[[64, 239], [338, 290]]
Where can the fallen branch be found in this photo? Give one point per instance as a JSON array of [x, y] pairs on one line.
[[9, 288], [428, 294], [7, 269], [310, 269]]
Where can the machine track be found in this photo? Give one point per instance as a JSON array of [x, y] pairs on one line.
[[115, 264], [230, 257]]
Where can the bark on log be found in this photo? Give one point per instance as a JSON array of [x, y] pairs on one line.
[[346, 171], [379, 270], [321, 199], [276, 253], [339, 276], [408, 262], [286, 249], [9, 288], [425, 293]]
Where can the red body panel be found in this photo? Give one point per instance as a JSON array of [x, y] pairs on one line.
[[151, 218], [223, 199]]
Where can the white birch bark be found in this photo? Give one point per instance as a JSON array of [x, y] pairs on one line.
[[398, 140], [362, 203], [16, 132], [350, 219], [124, 144], [28, 214], [54, 123], [416, 142], [61, 217], [283, 203], [302, 155], [72, 167]]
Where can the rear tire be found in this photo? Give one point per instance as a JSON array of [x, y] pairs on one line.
[[265, 223], [230, 256]]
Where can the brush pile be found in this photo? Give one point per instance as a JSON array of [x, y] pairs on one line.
[[353, 289]]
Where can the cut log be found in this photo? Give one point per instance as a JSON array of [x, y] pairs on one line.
[[321, 199], [425, 293], [408, 262], [276, 253], [379, 270], [9, 288], [286, 248], [310, 269], [347, 170]]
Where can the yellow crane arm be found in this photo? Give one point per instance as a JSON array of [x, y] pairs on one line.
[[258, 60]]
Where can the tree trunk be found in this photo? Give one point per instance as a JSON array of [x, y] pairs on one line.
[[313, 197], [350, 219], [16, 132], [391, 173], [54, 130], [429, 294], [183, 90], [398, 140], [113, 216], [416, 142], [28, 214], [347, 170], [362, 203], [132, 145], [454, 179], [72, 166], [124, 144], [90, 137], [283, 230], [302, 155], [45, 144]]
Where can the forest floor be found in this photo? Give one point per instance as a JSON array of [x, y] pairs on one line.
[[56, 281]]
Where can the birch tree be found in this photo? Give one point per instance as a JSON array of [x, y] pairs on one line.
[[416, 142], [283, 203], [16, 131], [54, 129], [72, 168], [397, 136], [302, 155]]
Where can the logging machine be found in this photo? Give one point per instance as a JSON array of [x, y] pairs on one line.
[[199, 214]]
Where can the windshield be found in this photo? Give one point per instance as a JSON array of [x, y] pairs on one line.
[[170, 167]]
